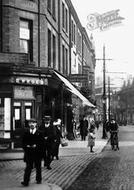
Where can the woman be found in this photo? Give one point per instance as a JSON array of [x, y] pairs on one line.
[[58, 136], [91, 139]]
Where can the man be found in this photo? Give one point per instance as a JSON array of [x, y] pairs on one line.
[[83, 128], [49, 136], [32, 142], [113, 128]]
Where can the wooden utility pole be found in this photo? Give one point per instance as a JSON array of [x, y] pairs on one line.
[[104, 135], [109, 99]]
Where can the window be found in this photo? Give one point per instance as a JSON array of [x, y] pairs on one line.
[[53, 8], [66, 20], [49, 48], [73, 31], [63, 59], [66, 52], [49, 5], [54, 51], [26, 45], [63, 15], [5, 117]]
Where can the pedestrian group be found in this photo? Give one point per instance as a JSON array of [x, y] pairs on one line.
[[41, 143]]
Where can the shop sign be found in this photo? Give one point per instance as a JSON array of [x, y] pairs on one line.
[[104, 21], [31, 81], [23, 92]]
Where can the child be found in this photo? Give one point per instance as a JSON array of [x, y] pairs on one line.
[[91, 139]]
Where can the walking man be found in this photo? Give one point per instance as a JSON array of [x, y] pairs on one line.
[[49, 136], [32, 143], [83, 128]]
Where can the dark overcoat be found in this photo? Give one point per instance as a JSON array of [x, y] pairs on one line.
[[32, 145]]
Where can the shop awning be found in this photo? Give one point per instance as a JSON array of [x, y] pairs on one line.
[[72, 89]]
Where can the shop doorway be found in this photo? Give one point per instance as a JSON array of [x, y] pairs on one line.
[[22, 112]]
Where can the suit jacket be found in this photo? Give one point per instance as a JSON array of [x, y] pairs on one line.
[[48, 135]]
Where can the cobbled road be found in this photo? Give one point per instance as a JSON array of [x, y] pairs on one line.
[[110, 170]]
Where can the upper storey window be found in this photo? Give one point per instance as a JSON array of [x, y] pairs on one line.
[[64, 18], [52, 7], [73, 32], [26, 37]]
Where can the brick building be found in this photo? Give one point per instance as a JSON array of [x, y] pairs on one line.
[[41, 46]]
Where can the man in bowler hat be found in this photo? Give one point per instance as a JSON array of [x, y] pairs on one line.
[[49, 136], [32, 142]]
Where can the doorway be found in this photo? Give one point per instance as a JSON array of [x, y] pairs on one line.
[[22, 112]]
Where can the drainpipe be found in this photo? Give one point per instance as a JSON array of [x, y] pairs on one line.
[[38, 33], [1, 15]]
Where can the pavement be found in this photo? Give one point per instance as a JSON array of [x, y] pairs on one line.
[[74, 158]]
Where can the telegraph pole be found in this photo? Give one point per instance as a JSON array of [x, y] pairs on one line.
[[104, 135], [104, 95], [109, 99], [109, 91]]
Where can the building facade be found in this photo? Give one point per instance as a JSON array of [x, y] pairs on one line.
[[35, 49]]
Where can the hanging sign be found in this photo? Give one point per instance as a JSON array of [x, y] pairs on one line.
[[104, 21]]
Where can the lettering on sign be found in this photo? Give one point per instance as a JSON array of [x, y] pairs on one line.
[[104, 21], [23, 92]]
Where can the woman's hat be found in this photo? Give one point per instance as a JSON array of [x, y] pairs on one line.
[[57, 122]]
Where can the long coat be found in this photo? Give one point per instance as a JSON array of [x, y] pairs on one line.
[[57, 141], [49, 133], [83, 127], [32, 145]]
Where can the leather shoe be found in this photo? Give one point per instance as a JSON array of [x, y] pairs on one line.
[[49, 168], [57, 157], [24, 184], [38, 182]]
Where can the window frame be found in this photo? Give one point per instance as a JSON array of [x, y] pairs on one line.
[[29, 38]]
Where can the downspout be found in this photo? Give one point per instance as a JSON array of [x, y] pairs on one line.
[[38, 33], [1, 16]]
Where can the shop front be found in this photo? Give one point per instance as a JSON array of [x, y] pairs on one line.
[[24, 95], [27, 93]]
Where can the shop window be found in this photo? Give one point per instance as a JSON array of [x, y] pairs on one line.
[[5, 117]]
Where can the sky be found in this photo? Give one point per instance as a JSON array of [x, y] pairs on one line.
[[118, 41]]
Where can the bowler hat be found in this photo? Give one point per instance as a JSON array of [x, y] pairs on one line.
[[47, 118], [32, 120]]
